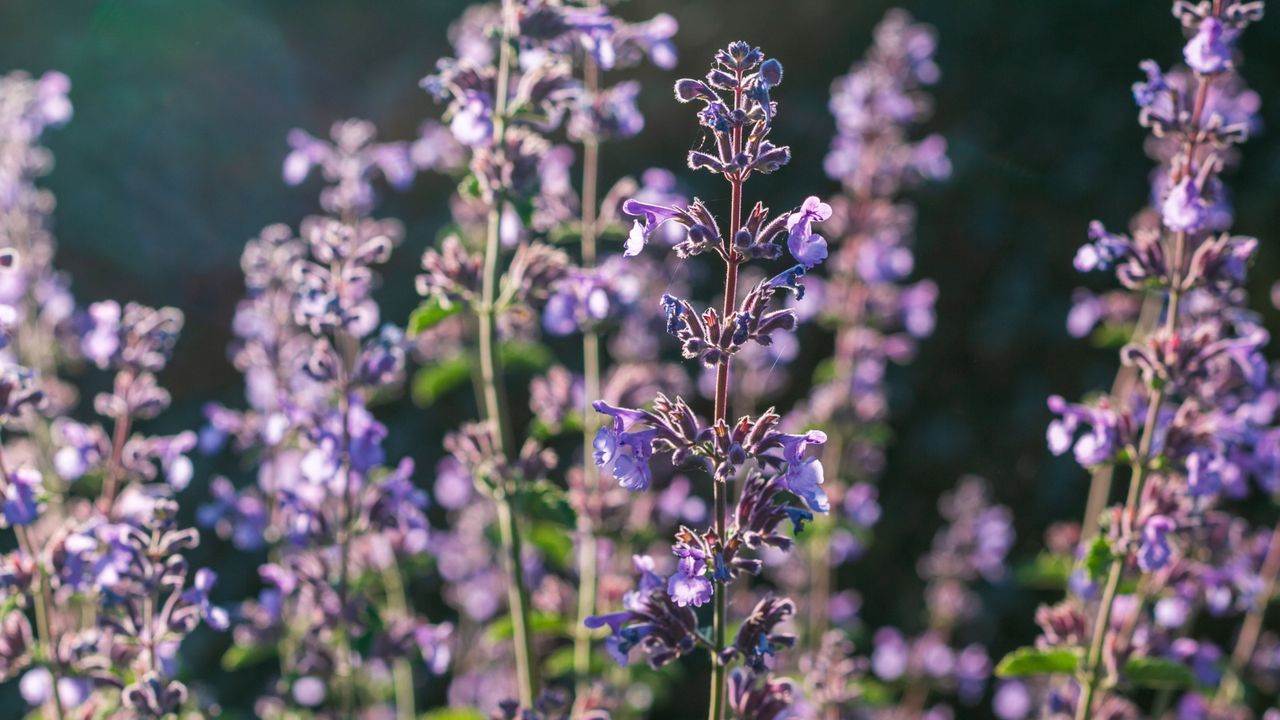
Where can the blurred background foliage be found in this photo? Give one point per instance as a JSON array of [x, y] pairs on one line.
[[181, 109]]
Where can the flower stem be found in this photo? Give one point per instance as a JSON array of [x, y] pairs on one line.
[[493, 396], [819, 550], [348, 348], [1247, 641], [402, 672], [1091, 675], [721, 420], [115, 464], [1101, 480], [43, 602], [588, 547]]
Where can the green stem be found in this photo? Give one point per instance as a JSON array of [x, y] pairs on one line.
[[588, 546], [402, 672], [1230, 687], [1092, 670], [348, 347], [43, 602], [493, 395]]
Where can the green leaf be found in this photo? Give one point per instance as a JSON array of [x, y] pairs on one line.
[[524, 357], [1046, 572], [824, 372], [432, 381], [1112, 335], [431, 313], [541, 623], [1099, 557], [238, 657], [453, 714], [554, 543], [1028, 661], [544, 501], [1158, 673]]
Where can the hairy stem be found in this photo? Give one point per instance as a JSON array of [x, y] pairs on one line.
[[721, 420], [1101, 480], [1142, 459], [115, 464], [493, 393]]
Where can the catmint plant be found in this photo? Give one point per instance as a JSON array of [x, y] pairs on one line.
[[774, 468], [921, 675], [337, 521], [546, 41], [876, 314], [592, 296], [101, 559], [1194, 427], [510, 82]]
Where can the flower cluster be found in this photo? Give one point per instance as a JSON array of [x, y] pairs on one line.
[[737, 114], [1194, 424], [101, 561], [336, 518], [876, 314], [524, 71]]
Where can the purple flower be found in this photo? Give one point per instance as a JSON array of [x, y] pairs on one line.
[[102, 340], [804, 476], [472, 123], [806, 247], [1103, 252], [1154, 552], [1208, 52], [21, 496], [1184, 210], [1098, 445], [37, 682], [1012, 701], [198, 596], [889, 659], [1148, 94], [624, 454], [689, 585], [651, 218]]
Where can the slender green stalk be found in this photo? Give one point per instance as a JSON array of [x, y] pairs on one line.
[[1247, 641], [43, 602], [348, 348], [493, 394], [1101, 479], [1141, 461], [588, 547], [401, 671]]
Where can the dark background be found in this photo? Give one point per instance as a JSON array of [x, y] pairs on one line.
[[173, 160]]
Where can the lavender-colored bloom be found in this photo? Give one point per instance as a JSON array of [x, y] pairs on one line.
[[1104, 250], [651, 218], [1184, 210], [689, 584], [889, 660], [1208, 52], [806, 247], [625, 454], [1105, 436], [1012, 701], [1155, 554], [22, 496], [198, 596]]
